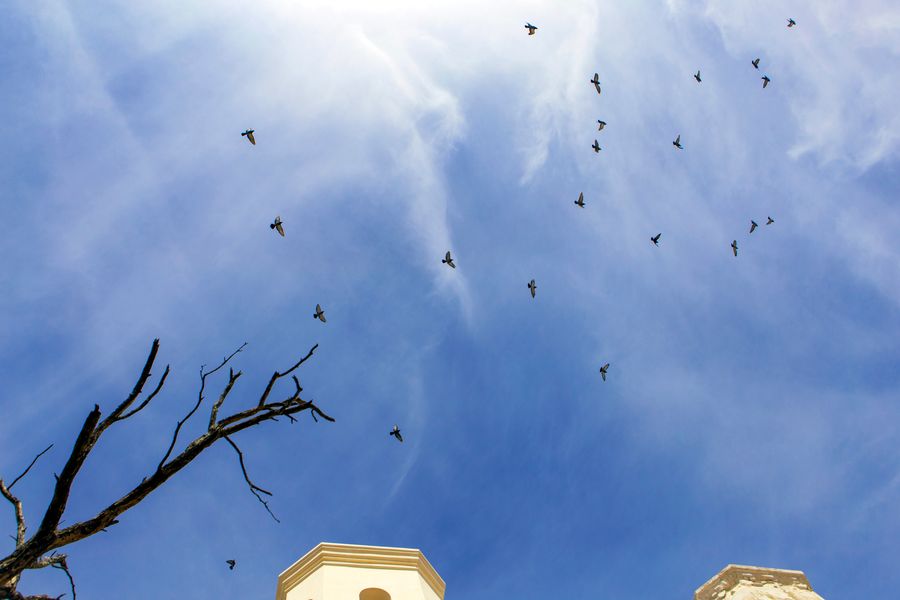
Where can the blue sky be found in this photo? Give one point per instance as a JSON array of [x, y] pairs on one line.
[[751, 410]]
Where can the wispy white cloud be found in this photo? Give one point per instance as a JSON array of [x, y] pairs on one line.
[[390, 132], [839, 63]]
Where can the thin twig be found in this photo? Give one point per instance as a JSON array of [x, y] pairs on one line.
[[232, 378], [135, 392], [25, 472], [203, 377], [61, 564], [253, 487], [314, 410], [162, 380], [20, 514], [276, 376]]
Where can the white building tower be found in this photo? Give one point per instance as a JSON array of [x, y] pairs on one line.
[[737, 582], [348, 572]]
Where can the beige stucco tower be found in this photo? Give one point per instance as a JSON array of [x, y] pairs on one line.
[[737, 582], [348, 572]]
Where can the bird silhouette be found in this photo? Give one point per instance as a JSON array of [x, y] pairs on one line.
[[277, 226], [580, 201], [531, 28], [600, 125], [231, 564], [249, 134], [448, 260], [765, 80], [596, 147], [734, 247], [677, 142], [320, 314], [532, 287], [655, 239], [791, 22], [596, 81], [753, 225], [396, 433], [755, 63], [697, 76], [603, 370], [770, 221]]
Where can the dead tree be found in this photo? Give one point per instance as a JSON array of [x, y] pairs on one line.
[[40, 550]]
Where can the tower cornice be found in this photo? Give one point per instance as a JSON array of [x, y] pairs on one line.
[[350, 555]]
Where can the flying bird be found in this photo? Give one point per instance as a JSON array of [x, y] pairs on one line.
[[766, 80], [448, 260], [277, 226], [603, 370], [770, 221], [734, 247], [596, 147], [531, 28], [677, 142], [755, 63], [396, 433], [532, 287], [249, 134], [655, 239], [320, 314], [697, 76], [596, 81], [791, 22], [580, 201], [231, 564], [753, 225], [600, 125]]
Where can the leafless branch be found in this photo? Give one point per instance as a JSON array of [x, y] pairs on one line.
[[83, 444], [276, 376], [255, 489], [20, 514], [32, 553], [135, 392], [314, 410], [57, 561], [232, 378], [62, 565], [162, 381], [34, 460], [203, 376]]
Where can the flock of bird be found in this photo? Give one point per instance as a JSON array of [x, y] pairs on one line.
[[278, 225], [595, 81]]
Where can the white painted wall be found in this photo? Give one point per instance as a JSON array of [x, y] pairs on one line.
[[331, 582]]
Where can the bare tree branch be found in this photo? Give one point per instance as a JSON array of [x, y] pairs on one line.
[[136, 391], [203, 377], [57, 561], [232, 378], [276, 376], [83, 445], [134, 411], [60, 563], [32, 553], [20, 514], [34, 460], [255, 489]]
